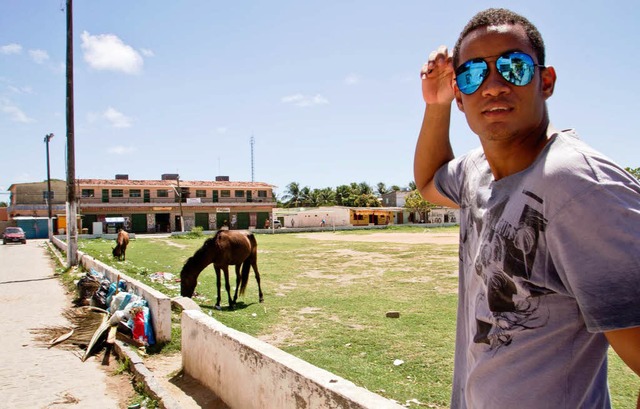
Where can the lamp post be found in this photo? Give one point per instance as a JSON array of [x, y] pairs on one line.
[[48, 138], [179, 195]]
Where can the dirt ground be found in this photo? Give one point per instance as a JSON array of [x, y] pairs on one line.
[[405, 238]]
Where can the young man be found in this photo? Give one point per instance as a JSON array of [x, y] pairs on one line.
[[549, 229]]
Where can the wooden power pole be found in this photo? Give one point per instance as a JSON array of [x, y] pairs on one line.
[[72, 204]]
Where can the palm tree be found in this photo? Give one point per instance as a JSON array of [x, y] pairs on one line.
[[342, 195], [364, 188], [305, 197], [381, 189], [291, 196], [327, 197]]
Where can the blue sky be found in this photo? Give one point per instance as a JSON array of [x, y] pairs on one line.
[[329, 89]]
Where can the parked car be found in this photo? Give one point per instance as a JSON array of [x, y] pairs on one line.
[[277, 224], [14, 235]]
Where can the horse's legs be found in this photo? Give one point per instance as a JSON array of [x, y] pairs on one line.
[[255, 270], [217, 306], [227, 286], [238, 279]]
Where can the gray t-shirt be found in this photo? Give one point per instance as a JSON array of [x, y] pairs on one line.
[[549, 259]]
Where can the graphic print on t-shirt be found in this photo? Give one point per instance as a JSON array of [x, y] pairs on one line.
[[506, 301]]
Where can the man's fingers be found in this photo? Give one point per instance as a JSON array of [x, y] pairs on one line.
[[436, 58]]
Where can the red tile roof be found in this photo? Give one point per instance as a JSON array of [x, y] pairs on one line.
[[169, 183]]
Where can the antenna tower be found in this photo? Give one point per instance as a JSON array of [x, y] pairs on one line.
[[253, 141]]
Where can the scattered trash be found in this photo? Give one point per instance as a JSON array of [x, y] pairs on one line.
[[104, 312], [254, 315], [398, 362], [161, 277], [408, 403]]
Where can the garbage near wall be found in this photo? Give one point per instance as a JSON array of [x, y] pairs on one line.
[[103, 311]]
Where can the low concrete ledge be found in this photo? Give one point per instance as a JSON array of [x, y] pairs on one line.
[[159, 304], [250, 374], [141, 373]]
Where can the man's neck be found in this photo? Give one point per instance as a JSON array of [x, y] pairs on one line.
[[509, 157]]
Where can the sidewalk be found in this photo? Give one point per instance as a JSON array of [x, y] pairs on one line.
[[32, 376]]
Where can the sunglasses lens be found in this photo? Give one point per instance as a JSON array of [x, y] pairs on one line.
[[469, 76], [517, 68]]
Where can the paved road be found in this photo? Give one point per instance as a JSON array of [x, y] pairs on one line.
[[32, 376]]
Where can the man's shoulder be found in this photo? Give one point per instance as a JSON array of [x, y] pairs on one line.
[[570, 158]]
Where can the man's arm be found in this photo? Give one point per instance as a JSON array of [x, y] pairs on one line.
[[433, 148], [626, 343]]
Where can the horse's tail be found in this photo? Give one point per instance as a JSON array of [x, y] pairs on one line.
[[246, 266]]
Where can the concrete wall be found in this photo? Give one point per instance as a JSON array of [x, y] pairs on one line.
[[250, 374], [159, 304]]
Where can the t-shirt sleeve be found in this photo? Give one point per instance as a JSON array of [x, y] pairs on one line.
[[594, 242], [448, 179]]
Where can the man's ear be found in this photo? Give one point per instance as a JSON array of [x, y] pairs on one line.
[[458, 95], [548, 77]]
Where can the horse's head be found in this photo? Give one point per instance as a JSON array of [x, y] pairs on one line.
[[116, 251], [188, 280]]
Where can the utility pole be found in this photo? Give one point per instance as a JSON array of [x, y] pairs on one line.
[[179, 192], [252, 141], [47, 138], [72, 221]]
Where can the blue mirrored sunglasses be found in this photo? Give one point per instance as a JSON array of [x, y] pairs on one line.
[[516, 67]]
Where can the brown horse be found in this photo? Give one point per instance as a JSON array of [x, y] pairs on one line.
[[227, 247], [121, 245]]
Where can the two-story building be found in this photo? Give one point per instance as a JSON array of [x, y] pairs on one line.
[[151, 205]]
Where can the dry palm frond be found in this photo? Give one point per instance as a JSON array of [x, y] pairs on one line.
[[97, 335], [83, 324]]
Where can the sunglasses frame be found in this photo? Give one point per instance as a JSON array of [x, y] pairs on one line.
[[465, 67]]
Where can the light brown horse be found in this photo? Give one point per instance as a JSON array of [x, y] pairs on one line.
[[227, 247], [121, 245]]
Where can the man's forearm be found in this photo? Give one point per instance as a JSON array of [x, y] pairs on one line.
[[433, 148]]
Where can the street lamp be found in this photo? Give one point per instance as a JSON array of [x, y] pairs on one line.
[[179, 194], [47, 138]]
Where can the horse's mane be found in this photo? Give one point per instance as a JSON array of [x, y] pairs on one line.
[[202, 257]]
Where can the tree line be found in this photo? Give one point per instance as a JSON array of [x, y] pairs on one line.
[[352, 195]]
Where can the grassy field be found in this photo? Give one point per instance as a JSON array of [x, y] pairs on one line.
[[326, 300]]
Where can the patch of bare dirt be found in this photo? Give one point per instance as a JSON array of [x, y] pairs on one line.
[[174, 244], [406, 238], [188, 392], [118, 383]]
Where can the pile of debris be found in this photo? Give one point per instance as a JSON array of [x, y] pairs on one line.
[[104, 312]]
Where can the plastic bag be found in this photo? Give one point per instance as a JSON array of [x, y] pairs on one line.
[[138, 327]]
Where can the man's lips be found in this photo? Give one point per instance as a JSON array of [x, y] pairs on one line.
[[494, 110]]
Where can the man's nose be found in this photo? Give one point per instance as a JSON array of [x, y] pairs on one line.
[[495, 84]]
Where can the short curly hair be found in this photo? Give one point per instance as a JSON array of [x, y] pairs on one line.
[[497, 17]]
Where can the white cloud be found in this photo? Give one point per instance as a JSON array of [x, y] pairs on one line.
[[20, 90], [222, 130], [108, 52], [147, 53], [352, 79], [14, 113], [116, 118], [39, 56], [11, 49], [121, 150], [304, 101]]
